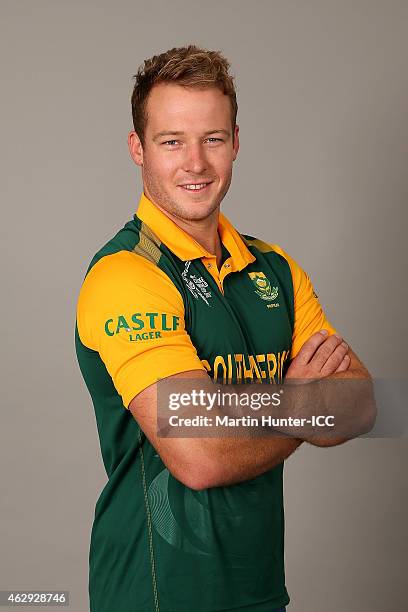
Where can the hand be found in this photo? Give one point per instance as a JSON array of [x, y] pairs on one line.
[[320, 356]]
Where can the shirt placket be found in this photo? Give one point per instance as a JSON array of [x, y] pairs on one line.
[[210, 264]]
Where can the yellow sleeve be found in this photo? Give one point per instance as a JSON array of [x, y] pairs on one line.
[[309, 315], [131, 313]]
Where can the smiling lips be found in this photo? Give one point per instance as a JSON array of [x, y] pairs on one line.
[[194, 186]]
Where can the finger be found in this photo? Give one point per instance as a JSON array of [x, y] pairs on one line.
[[325, 351], [335, 359], [309, 348], [345, 364]]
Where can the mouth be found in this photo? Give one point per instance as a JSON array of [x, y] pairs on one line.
[[195, 187]]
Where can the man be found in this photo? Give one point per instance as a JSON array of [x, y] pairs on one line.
[[191, 524]]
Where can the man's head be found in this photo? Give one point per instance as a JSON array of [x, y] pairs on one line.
[[184, 113]]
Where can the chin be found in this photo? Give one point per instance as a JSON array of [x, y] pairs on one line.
[[199, 210]]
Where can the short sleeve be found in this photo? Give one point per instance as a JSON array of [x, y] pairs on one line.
[[309, 315], [131, 313]]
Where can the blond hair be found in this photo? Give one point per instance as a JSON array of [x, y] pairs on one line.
[[189, 66]]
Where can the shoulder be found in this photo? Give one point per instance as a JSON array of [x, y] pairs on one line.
[[125, 276], [269, 248], [123, 283], [264, 247]]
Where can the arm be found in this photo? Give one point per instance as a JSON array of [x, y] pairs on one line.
[[207, 462], [361, 396], [124, 292], [200, 463], [120, 294]]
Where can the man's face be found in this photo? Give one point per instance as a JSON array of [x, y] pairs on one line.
[[189, 150]]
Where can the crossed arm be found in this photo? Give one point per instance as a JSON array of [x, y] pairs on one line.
[[200, 463]]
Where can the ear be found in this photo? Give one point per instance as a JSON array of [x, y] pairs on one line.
[[236, 143], [135, 148]]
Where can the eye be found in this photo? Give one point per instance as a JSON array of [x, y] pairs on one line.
[[215, 139], [169, 142]]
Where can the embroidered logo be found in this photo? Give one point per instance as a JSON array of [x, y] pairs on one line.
[[197, 286], [263, 286]]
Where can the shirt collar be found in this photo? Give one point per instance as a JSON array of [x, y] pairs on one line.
[[183, 245]]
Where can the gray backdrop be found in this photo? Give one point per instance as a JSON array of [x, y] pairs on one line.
[[322, 92]]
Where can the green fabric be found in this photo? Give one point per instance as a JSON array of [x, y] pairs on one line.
[[155, 543], [225, 253]]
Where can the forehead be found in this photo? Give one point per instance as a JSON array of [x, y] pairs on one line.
[[174, 107]]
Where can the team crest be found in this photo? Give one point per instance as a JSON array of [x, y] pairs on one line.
[[263, 286]]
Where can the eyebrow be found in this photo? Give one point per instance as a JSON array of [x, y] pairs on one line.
[[161, 134]]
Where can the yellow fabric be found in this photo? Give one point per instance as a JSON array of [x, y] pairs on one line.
[[118, 287], [184, 246], [131, 313], [309, 315]]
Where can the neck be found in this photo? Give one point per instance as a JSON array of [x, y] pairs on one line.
[[204, 231]]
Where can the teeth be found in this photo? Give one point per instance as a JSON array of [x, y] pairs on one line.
[[195, 187]]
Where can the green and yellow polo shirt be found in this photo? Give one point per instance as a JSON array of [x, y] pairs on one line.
[[154, 303]]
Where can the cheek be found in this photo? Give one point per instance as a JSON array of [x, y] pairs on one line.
[[164, 165], [224, 166]]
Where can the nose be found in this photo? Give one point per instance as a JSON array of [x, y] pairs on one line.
[[195, 161]]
